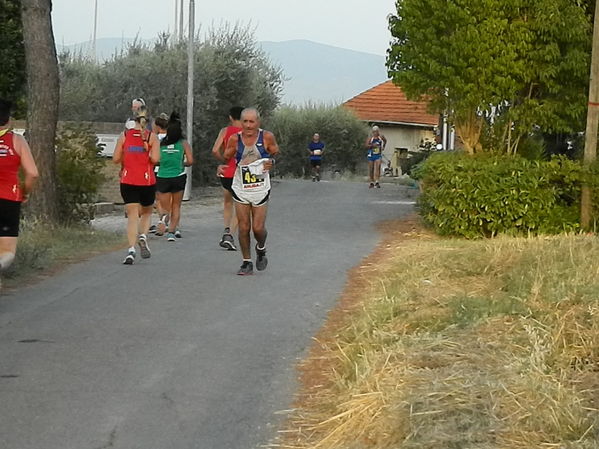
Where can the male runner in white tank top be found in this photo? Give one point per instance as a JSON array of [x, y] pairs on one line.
[[254, 150]]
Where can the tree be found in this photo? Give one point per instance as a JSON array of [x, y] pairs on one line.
[[510, 65], [12, 53], [42, 101]]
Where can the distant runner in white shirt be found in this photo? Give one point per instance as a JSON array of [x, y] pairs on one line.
[[254, 149]]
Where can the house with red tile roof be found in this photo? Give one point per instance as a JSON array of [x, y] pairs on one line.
[[404, 123]]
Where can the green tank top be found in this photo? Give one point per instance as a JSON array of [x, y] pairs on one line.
[[171, 160]]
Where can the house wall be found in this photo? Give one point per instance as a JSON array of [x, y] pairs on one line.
[[401, 136]]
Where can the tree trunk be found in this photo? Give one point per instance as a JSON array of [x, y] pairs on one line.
[[42, 102], [469, 127]]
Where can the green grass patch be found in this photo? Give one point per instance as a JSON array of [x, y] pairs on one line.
[[42, 247]]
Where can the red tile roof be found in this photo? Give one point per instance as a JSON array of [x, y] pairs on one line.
[[386, 103]]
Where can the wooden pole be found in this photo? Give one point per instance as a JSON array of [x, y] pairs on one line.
[[590, 141]]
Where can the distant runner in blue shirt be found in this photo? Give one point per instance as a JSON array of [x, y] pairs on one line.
[[316, 148]]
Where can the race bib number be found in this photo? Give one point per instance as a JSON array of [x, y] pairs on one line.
[[249, 180], [376, 150]]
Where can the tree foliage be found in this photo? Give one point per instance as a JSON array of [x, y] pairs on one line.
[[343, 133], [506, 65], [230, 70], [12, 54]]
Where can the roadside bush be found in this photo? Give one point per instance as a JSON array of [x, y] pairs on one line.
[[489, 194], [79, 173], [342, 132]]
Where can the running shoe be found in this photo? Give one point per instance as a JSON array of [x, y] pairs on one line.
[[130, 258], [152, 229], [246, 268], [161, 229], [227, 242], [318, 178], [171, 237], [377, 185], [143, 247], [313, 179], [261, 260], [371, 185], [178, 234]]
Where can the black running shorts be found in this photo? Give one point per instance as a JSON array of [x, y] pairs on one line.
[[315, 163], [10, 215], [144, 195], [171, 185], [227, 184]]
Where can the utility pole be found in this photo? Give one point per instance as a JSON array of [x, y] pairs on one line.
[[190, 60], [176, 32], [590, 140], [94, 49], [181, 22]]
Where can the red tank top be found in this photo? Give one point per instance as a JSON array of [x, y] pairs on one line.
[[229, 172], [10, 162], [137, 168]]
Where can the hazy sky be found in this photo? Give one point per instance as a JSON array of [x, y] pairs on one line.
[[354, 24]]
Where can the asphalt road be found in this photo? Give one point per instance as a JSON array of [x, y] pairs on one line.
[[177, 352]]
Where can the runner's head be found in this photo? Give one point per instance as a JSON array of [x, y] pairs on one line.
[[174, 130], [375, 130], [235, 113], [316, 137], [250, 119], [5, 107], [137, 104], [160, 123], [140, 117]]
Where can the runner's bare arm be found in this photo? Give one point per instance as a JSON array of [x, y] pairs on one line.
[[231, 148], [154, 149], [270, 142], [218, 144], [117, 156], [188, 154], [30, 171]]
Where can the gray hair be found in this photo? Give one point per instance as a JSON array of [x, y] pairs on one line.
[[253, 110]]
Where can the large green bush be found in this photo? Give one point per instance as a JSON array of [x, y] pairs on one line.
[[489, 194], [79, 173], [342, 132]]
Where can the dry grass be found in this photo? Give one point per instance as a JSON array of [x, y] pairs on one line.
[[458, 344]]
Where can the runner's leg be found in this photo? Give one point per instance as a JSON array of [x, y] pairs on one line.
[[259, 224], [243, 212], [133, 213], [146, 217], [377, 171], [177, 198], [230, 219], [8, 249]]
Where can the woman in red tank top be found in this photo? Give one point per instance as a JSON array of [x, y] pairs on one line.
[[138, 151], [15, 157]]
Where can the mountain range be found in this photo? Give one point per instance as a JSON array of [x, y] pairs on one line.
[[313, 72]]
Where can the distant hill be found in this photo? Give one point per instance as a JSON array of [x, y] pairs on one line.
[[323, 73], [314, 72]]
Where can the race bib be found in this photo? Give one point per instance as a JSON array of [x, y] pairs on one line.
[[249, 180]]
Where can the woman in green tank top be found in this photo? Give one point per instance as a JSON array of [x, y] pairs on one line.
[[175, 155]]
